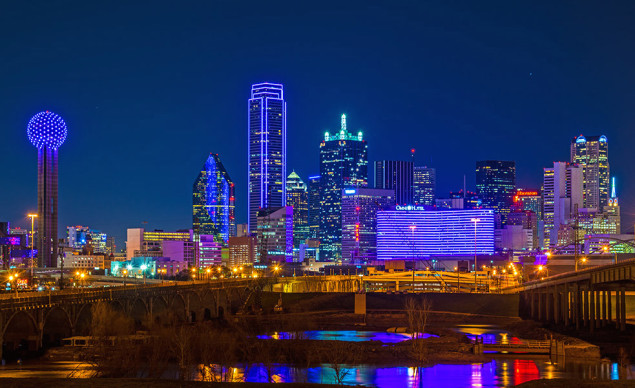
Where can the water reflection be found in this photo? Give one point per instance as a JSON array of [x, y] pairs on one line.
[[496, 373], [488, 334], [499, 372], [343, 335]]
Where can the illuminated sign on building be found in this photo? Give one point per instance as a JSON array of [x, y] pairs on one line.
[[409, 208]]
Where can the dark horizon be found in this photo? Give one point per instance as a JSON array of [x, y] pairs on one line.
[[148, 92]]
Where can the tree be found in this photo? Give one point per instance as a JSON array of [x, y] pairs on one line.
[[418, 312]]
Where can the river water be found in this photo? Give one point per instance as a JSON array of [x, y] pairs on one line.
[[500, 371]]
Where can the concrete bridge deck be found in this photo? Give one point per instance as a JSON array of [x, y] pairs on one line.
[[586, 298]]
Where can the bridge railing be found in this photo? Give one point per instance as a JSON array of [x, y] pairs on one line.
[[583, 273], [81, 295]]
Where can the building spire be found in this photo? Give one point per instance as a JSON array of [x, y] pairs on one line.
[[343, 122], [613, 193]]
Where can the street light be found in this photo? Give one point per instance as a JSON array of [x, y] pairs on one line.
[[32, 216], [475, 221], [14, 279], [606, 249], [143, 272], [580, 260], [412, 228]]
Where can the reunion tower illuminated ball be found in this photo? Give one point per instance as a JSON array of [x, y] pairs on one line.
[[46, 129]]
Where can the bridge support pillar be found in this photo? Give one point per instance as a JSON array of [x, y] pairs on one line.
[[576, 306], [556, 305], [591, 311], [622, 302], [618, 313], [598, 309], [532, 305], [540, 306], [609, 313], [585, 306], [567, 305], [604, 309]]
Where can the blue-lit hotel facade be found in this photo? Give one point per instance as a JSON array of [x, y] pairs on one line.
[[267, 149], [410, 232]]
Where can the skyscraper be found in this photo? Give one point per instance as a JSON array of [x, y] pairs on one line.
[[267, 149], [275, 234], [424, 185], [79, 237], [47, 132], [343, 164], [213, 201], [496, 185], [298, 198], [359, 222], [562, 197], [397, 176], [314, 206], [592, 153]]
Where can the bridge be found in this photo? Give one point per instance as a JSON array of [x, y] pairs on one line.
[[34, 319], [585, 298]]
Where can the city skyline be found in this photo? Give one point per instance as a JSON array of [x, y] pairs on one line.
[[114, 198]]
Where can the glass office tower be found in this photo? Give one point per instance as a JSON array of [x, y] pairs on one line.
[[496, 185], [343, 165], [213, 201], [267, 149]]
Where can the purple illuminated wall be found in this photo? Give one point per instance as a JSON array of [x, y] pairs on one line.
[[406, 234]]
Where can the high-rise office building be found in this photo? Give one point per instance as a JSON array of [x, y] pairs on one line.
[[592, 153], [79, 237], [562, 197], [314, 206], [359, 222], [267, 149], [298, 199], [343, 164], [138, 241], [47, 132], [213, 201], [496, 185], [424, 185], [528, 200], [242, 250], [397, 176], [275, 234]]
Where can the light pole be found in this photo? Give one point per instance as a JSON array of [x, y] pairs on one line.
[[14, 279], [606, 250], [475, 221], [412, 228], [143, 272], [582, 259], [32, 216]]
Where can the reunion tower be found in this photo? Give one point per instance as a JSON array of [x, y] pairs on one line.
[[47, 132]]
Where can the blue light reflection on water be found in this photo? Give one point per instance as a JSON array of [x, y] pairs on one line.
[[343, 335], [492, 374], [496, 373]]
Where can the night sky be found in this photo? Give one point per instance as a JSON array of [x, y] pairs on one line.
[[148, 89]]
